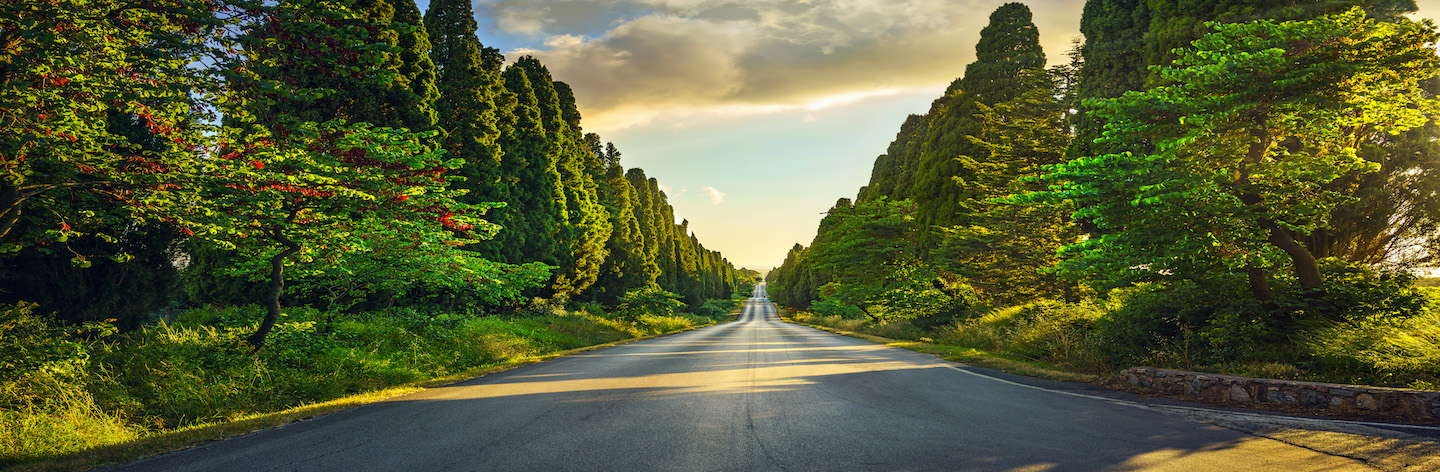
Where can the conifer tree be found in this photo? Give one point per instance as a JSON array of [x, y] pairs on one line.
[[584, 225], [645, 216], [1114, 63], [1009, 47], [624, 268], [534, 194], [417, 70], [468, 92], [894, 172], [1009, 242]]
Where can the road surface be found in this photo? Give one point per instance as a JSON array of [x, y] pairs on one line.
[[756, 394]]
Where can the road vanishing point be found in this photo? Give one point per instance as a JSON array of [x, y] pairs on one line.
[[756, 394]]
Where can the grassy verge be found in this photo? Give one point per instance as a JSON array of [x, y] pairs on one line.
[[99, 400], [968, 355], [1375, 344]]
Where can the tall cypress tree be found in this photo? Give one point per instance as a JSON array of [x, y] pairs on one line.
[[417, 70], [585, 224], [1009, 47], [535, 189], [624, 268], [645, 215], [468, 92]]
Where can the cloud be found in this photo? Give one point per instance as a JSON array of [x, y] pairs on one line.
[[669, 60], [672, 192], [716, 197]]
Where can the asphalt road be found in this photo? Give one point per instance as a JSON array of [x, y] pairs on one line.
[[757, 394]]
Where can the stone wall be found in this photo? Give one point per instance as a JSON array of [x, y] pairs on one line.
[[1413, 404]]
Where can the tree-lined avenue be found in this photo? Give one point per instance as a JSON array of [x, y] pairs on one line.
[[754, 394]]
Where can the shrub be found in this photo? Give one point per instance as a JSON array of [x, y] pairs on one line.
[[647, 301]]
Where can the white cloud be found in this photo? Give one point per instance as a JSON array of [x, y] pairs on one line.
[[716, 197], [672, 192], [662, 59]]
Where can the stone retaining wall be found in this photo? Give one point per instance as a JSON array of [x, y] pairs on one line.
[[1414, 404]]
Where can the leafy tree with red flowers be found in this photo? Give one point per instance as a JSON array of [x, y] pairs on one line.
[[70, 71]]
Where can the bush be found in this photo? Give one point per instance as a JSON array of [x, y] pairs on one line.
[[647, 301], [716, 308], [832, 307], [1045, 329]]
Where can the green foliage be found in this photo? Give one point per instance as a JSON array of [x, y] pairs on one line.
[[99, 127], [1008, 243], [1009, 47], [1257, 118], [829, 306], [647, 301]]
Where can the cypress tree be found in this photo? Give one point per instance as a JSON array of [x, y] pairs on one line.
[[645, 216], [534, 193], [417, 70], [624, 268], [468, 92], [1009, 47], [585, 224]]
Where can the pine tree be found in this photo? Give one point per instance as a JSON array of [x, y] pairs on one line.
[[1009, 242]]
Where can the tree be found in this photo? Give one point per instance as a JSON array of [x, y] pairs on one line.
[[624, 267], [870, 255], [1009, 47], [1010, 241], [535, 219], [470, 96], [582, 224], [1253, 123], [1114, 63], [1395, 217], [287, 191], [73, 70]]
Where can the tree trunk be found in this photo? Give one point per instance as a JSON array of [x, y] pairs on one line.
[[277, 284], [1307, 268], [1260, 286]]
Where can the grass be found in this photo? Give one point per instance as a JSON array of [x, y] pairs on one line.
[[1007, 362], [1377, 344], [173, 385]]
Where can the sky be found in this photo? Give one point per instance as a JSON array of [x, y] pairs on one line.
[[757, 115]]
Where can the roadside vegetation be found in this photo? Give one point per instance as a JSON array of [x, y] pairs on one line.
[[1215, 187], [77, 388], [232, 208], [1388, 341]]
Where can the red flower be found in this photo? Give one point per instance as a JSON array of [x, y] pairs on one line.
[[258, 164], [402, 198]]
